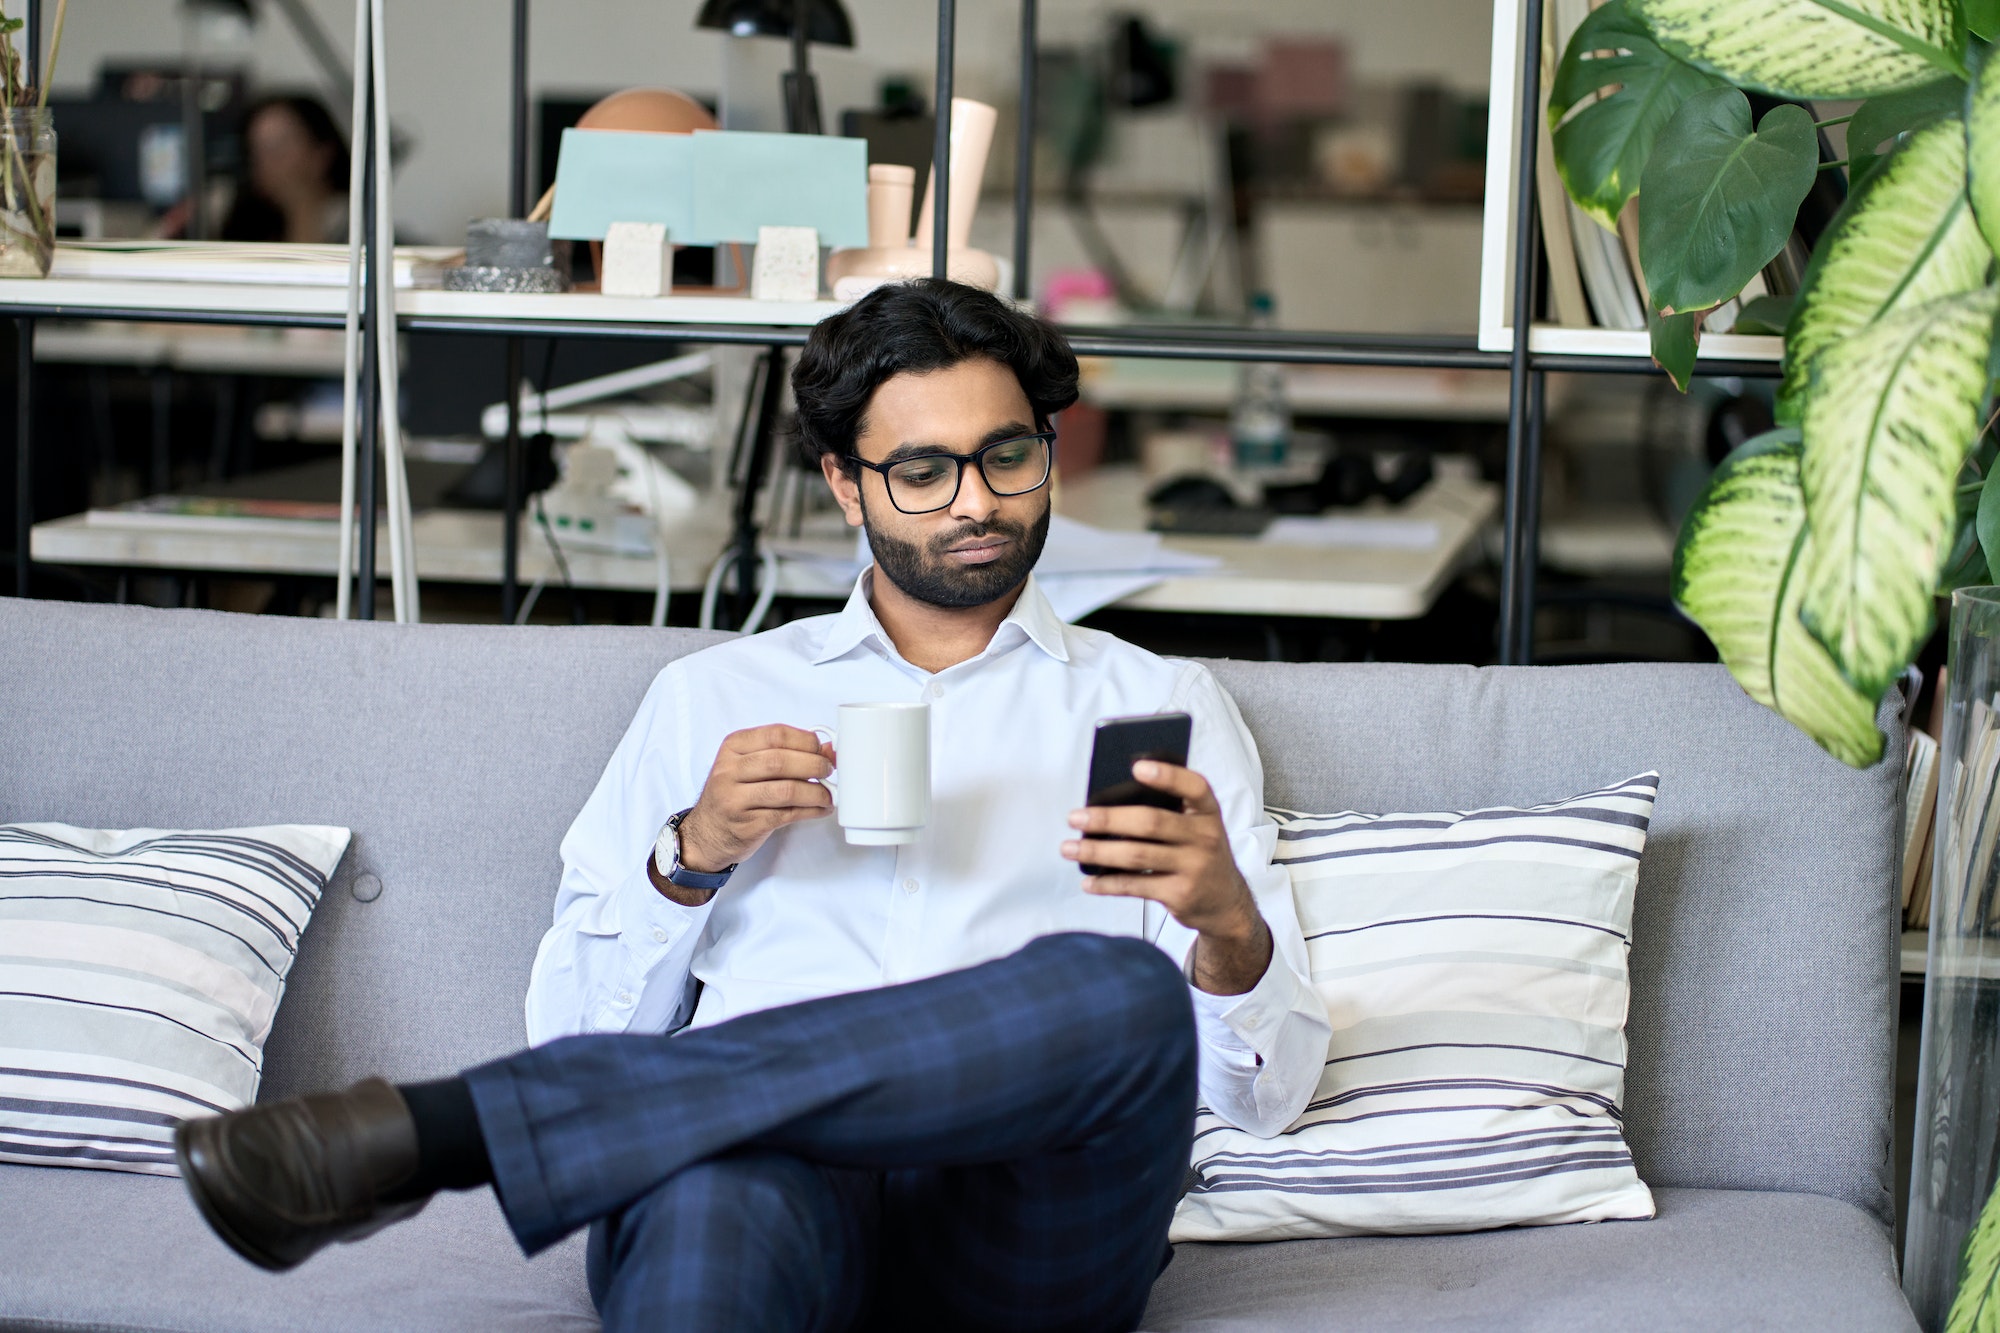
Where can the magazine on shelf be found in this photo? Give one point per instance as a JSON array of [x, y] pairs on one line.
[[1919, 815]]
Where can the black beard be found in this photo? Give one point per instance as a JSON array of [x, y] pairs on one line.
[[924, 572]]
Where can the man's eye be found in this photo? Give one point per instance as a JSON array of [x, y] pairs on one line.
[[920, 474], [1013, 456]]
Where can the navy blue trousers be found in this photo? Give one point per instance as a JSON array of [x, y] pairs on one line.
[[997, 1148]]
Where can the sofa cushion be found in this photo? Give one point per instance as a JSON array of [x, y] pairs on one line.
[[139, 973], [1712, 1259], [1473, 966], [1765, 931], [458, 754], [104, 1250]]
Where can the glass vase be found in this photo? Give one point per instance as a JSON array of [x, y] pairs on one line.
[[27, 192], [1956, 1149]]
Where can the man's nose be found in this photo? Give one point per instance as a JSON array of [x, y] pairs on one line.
[[975, 500]]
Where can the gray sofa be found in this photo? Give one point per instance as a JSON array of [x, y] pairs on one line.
[[1764, 978]]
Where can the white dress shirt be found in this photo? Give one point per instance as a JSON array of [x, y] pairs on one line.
[[808, 915]]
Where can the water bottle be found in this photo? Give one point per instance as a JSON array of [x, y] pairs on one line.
[[1260, 423]]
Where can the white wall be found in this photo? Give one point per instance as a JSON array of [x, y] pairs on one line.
[[448, 60]]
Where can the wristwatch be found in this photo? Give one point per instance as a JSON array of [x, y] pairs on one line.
[[667, 859]]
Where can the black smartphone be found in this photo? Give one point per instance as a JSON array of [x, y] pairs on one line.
[[1122, 742]]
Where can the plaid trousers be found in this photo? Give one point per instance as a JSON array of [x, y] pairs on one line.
[[995, 1148]]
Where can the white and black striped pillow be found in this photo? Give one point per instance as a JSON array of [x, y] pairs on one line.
[[1474, 968], [139, 973]]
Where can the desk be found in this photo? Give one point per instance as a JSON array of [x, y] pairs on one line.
[[464, 547], [1267, 579]]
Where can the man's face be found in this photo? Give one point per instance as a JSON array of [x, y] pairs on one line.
[[981, 546]]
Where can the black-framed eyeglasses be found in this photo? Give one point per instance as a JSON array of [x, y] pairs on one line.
[[927, 483]]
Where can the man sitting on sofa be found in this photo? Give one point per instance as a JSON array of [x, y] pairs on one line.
[[944, 1085]]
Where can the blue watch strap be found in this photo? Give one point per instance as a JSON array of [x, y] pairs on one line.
[[679, 875]]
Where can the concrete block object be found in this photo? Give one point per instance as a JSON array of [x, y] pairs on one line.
[[638, 261], [787, 264]]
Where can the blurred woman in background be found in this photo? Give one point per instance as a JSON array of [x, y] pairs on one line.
[[294, 182]]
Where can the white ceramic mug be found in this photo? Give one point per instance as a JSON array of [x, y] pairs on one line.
[[882, 776]]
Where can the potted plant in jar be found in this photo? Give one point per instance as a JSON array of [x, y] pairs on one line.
[[27, 156]]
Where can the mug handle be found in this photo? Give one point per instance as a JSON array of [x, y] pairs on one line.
[[830, 782]]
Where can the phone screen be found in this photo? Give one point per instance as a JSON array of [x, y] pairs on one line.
[[1122, 742]]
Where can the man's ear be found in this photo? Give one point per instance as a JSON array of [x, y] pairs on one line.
[[846, 489]]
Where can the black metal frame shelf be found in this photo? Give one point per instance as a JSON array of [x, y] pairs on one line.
[[1527, 370]]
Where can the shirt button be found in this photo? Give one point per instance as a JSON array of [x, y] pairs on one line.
[[623, 997], [659, 935], [909, 886], [1251, 1021], [937, 690]]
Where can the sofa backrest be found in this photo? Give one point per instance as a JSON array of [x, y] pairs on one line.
[[1764, 957]]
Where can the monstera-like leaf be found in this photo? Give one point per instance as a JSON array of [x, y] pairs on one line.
[[1881, 118], [1812, 48], [1602, 149], [1906, 237], [1719, 197], [1737, 575], [1676, 341], [1889, 414]]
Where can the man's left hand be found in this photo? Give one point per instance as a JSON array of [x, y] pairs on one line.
[[1182, 861]]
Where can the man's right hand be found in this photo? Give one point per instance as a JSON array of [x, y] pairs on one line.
[[762, 780]]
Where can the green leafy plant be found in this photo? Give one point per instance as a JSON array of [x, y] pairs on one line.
[[1815, 556]]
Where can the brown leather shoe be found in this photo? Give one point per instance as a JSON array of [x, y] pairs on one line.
[[279, 1181]]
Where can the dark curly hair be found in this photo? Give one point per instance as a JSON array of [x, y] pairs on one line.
[[918, 326]]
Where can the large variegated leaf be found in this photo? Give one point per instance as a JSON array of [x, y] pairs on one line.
[[1602, 149], [1976, 1307], [1907, 236], [1719, 197], [1812, 48], [1889, 414], [1982, 149], [1736, 574]]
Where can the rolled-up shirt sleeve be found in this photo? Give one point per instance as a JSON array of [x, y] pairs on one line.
[[1262, 1052], [617, 958]]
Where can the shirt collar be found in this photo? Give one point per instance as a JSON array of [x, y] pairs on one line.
[[855, 624]]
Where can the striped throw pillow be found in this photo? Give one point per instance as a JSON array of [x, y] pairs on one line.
[[1474, 968], [139, 973]]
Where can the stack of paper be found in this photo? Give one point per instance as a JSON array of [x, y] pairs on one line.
[[265, 264]]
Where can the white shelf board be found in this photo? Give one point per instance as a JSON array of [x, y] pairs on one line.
[[83, 295], [1969, 959], [1634, 343], [591, 307]]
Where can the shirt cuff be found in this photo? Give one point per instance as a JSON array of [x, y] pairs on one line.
[[649, 920], [1248, 1022]]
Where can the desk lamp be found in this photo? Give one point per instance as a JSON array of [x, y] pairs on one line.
[[802, 21]]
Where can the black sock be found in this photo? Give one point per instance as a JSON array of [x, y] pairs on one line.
[[451, 1149]]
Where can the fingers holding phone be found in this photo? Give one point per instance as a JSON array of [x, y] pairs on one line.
[[1180, 858], [1152, 828]]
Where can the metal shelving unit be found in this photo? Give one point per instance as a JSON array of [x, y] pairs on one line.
[[515, 318]]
